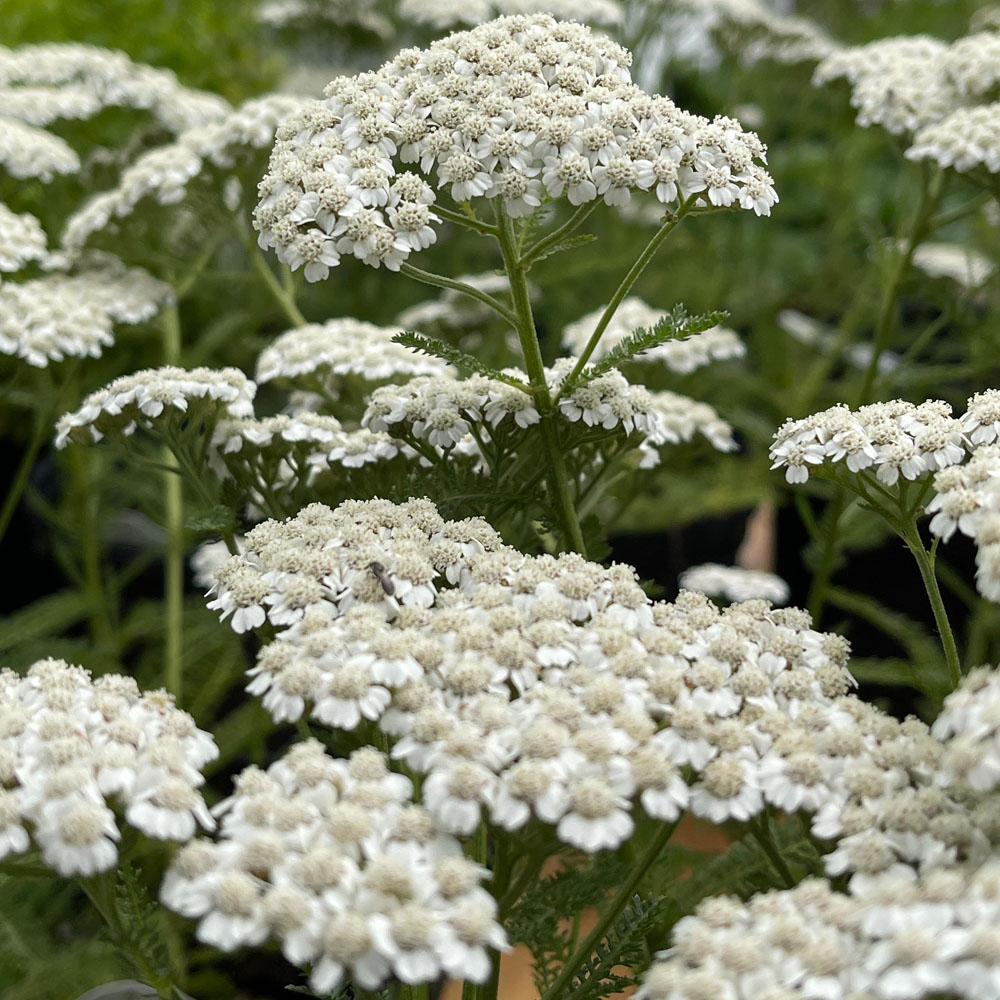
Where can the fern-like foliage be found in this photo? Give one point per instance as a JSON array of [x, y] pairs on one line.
[[743, 871], [141, 934], [345, 992], [620, 955], [546, 916], [676, 325], [453, 356], [570, 243]]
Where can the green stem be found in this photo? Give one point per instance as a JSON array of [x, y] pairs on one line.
[[88, 534], [925, 562], [947, 218], [460, 219], [930, 194], [440, 281], [39, 432], [524, 324], [281, 296], [610, 914], [173, 562], [626, 286], [576, 219]]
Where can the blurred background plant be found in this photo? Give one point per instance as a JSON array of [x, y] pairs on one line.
[[875, 278]]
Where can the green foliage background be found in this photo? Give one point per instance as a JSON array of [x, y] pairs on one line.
[[844, 191]]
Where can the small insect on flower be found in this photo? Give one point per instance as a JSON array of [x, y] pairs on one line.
[[383, 577]]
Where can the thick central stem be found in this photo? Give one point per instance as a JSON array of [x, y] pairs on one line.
[[556, 474]]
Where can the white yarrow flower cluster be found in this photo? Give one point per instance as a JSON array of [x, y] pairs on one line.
[[893, 938], [763, 32], [343, 13], [967, 497], [965, 139], [441, 409], [679, 419], [963, 265], [440, 15], [969, 724], [22, 239], [144, 397], [680, 356], [936, 91], [71, 747], [28, 152], [278, 459], [73, 315], [164, 173], [332, 860], [341, 347], [553, 688], [516, 109], [892, 440], [42, 83], [733, 583]]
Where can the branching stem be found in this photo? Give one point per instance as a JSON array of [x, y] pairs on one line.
[[640, 265], [524, 324], [440, 281]]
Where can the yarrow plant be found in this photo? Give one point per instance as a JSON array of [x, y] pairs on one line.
[[397, 705]]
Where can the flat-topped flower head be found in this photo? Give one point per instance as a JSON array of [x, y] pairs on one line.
[[29, 152], [42, 83], [962, 264], [554, 688], [520, 108], [894, 935], [339, 347], [62, 315], [441, 15], [145, 397], [942, 94], [302, 14], [969, 724], [761, 31], [732, 583], [894, 440], [72, 747]]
